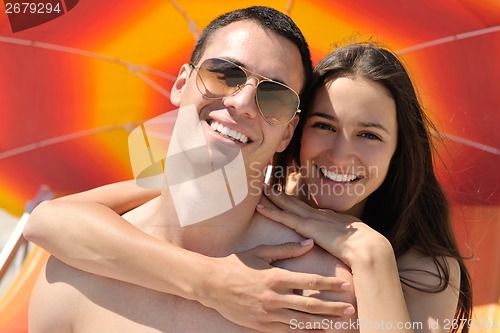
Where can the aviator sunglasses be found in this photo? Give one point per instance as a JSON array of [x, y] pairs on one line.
[[218, 78]]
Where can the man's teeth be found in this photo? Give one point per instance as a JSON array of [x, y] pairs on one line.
[[338, 177], [227, 132]]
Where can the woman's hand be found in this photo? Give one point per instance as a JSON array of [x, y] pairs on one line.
[[368, 253], [247, 290], [343, 236]]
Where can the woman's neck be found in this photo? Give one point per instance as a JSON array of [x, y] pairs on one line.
[[297, 186]]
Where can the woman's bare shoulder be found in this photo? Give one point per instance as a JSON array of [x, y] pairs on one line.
[[423, 269]]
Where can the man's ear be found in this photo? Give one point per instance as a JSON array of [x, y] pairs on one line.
[[179, 84], [287, 136]]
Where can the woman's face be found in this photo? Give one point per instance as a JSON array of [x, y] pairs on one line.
[[347, 143]]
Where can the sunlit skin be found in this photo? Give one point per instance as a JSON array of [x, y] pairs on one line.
[[351, 136]]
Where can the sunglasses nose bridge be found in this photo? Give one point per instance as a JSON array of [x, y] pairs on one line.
[[244, 101], [252, 81]]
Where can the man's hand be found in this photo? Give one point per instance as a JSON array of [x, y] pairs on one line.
[[247, 290]]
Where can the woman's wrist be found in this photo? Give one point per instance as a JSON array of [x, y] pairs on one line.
[[372, 255]]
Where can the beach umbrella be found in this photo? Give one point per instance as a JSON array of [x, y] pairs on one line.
[[73, 86]]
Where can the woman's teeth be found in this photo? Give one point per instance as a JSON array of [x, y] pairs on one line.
[[338, 177], [228, 133]]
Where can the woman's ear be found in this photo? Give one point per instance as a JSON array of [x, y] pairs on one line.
[[179, 84], [287, 136]]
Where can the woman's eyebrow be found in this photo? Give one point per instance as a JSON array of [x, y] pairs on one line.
[[324, 115], [361, 124], [375, 125]]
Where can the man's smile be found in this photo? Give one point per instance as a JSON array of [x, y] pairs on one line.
[[228, 132]]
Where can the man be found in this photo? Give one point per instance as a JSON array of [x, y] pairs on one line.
[[66, 299]]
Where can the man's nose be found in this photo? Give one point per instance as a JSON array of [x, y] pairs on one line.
[[244, 101]]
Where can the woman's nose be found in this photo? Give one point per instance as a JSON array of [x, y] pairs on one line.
[[342, 150]]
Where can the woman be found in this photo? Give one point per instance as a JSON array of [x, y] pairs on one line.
[[369, 157], [339, 144]]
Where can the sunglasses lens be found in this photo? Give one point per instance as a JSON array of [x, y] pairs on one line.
[[277, 102], [219, 78]]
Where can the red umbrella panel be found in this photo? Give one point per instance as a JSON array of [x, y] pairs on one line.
[[72, 88]]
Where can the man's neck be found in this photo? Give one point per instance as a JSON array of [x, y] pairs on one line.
[[215, 236]]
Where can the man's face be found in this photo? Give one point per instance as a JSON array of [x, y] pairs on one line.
[[260, 51]]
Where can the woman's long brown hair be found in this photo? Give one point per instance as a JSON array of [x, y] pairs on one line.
[[410, 208]]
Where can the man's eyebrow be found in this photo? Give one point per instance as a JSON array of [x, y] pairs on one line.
[[239, 63], [361, 124]]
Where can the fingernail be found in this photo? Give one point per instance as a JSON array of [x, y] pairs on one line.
[[306, 242], [260, 206], [349, 311], [345, 286]]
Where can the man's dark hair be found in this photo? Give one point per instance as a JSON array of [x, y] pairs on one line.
[[265, 17]]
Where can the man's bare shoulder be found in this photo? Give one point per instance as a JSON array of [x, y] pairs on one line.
[[67, 300], [52, 305]]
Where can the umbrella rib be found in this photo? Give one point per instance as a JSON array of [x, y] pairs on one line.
[[66, 137], [449, 39], [288, 7], [470, 143], [153, 84], [191, 25], [133, 68]]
